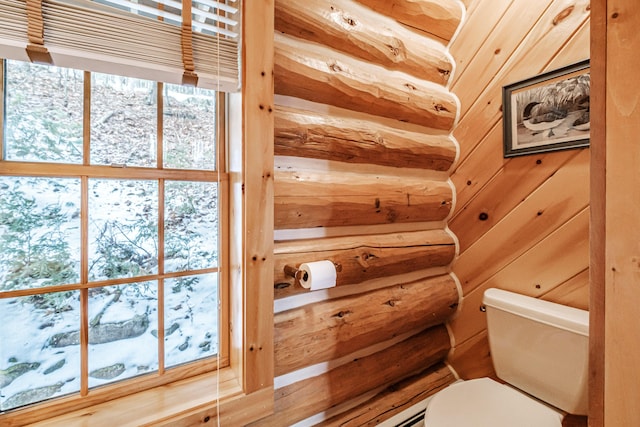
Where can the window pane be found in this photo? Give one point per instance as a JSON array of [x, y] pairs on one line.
[[121, 339], [43, 113], [191, 225], [123, 121], [39, 232], [40, 351], [191, 313], [189, 128], [123, 228]]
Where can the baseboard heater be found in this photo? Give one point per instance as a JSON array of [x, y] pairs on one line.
[[413, 420]]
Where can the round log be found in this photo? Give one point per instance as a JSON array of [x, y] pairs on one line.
[[331, 329], [351, 28], [319, 136], [317, 73]]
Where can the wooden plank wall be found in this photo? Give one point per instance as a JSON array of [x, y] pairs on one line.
[[522, 223], [616, 205], [363, 154]]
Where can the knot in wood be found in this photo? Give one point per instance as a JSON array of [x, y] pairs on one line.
[[363, 258], [440, 107], [335, 68], [342, 313], [563, 15], [349, 20], [281, 285]]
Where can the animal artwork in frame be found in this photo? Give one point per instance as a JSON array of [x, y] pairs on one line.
[[548, 112]]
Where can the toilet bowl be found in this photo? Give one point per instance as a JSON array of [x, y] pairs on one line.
[[484, 402], [540, 350]]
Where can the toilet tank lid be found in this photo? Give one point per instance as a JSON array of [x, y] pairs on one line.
[[568, 318]]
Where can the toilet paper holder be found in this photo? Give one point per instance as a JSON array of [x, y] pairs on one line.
[[298, 274]]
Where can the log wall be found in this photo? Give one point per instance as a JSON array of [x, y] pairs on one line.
[[522, 223], [363, 154]]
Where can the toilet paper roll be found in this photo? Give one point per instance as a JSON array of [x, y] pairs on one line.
[[318, 275]]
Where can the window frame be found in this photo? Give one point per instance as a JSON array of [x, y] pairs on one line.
[[83, 173], [243, 391]]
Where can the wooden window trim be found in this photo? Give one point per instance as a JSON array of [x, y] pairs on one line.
[[245, 389]]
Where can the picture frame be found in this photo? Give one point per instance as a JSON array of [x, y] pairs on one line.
[[548, 112]]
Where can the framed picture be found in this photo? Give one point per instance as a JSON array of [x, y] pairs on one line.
[[548, 112]]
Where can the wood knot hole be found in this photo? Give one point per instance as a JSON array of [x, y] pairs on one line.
[[440, 107], [342, 313], [349, 21], [483, 216], [563, 15]]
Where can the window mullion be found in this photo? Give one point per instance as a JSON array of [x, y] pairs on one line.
[[160, 125], [84, 236], [3, 64], [161, 202], [223, 226], [84, 293], [161, 328], [86, 120]]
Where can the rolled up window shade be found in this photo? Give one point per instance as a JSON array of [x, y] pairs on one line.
[[182, 42]]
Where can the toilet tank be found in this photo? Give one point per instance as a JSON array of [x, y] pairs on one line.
[[540, 347]]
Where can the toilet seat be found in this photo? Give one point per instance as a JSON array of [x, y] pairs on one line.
[[484, 402]]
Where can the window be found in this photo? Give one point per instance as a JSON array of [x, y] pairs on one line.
[[245, 391], [112, 218]]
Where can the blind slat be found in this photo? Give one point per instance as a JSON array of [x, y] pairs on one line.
[[87, 35]]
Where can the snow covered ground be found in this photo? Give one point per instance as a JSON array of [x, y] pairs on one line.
[[27, 332], [39, 349]]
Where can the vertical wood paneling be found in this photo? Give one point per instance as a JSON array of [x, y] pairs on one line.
[[597, 234], [257, 191], [616, 254]]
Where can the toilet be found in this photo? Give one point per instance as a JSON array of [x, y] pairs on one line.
[[540, 351]]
